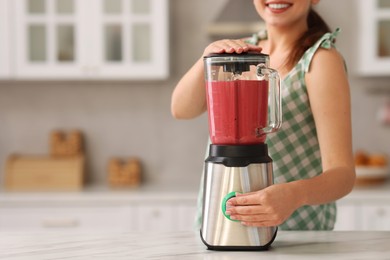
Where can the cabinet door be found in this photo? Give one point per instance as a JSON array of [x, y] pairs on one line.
[[48, 38], [187, 216], [101, 218], [347, 217], [5, 65], [131, 39], [374, 40], [166, 217], [157, 217], [375, 217]]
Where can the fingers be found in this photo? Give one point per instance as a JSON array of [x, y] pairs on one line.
[[245, 210], [244, 199], [247, 213], [255, 217], [259, 219], [230, 46]]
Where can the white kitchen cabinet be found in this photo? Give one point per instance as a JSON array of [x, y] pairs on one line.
[[376, 216], [374, 49], [98, 210], [187, 217], [134, 37], [166, 217], [156, 218], [48, 37], [128, 217], [365, 208], [86, 218], [347, 217], [5, 66], [90, 39], [363, 215]]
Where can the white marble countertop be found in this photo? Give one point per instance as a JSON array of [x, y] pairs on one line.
[[187, 245]]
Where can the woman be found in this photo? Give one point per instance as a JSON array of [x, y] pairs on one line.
[[312, 152]]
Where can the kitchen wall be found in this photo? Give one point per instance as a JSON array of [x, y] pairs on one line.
[[133, 118]]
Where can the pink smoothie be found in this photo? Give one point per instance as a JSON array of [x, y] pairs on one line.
[[237, 111]]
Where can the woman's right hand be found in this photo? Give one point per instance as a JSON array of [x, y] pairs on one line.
[[230, 46]]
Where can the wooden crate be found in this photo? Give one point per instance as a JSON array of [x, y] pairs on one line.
[[124, 172], [66, 143], [44, 173]]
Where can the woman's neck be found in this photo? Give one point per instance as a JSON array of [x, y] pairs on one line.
[[279, 43], [281, 39]]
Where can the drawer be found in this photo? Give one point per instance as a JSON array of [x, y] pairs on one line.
[[375, 217], [156, 218], [347, 218], [80, 218], [165, 217], [187, 216]]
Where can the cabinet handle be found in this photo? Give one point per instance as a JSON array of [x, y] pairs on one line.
[[86, 69], [156, 213], [95, 70], [60, 223], [381, 212]]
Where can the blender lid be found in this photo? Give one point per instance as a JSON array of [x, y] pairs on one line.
[[243, 55], [236, 62]]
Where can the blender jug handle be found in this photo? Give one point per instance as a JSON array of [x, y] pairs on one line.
[[274, 98]]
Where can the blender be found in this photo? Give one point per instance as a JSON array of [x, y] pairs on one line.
[[244, 105]]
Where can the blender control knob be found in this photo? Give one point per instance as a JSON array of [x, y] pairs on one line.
[[224, 201]]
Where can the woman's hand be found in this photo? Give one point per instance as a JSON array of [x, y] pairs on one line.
[[230, 46], [267, 207]]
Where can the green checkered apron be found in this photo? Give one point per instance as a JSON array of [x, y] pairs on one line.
[[294, 148]]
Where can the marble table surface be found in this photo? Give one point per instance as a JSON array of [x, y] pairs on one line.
[[187, 245]]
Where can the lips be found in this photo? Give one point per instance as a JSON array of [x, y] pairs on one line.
[[278, 6]]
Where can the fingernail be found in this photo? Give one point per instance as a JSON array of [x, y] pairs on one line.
[[228, 212], [233, 217]]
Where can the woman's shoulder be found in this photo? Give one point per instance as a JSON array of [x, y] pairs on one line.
[[326, 59], [323, 51], [327, 66]]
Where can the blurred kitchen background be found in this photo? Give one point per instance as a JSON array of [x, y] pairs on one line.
[[121, 105]]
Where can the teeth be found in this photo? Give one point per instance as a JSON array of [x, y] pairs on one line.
[[278, 6]]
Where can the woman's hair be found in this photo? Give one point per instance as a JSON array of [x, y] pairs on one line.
[[317, 27]]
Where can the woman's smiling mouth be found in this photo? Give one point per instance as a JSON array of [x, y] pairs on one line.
[[278, 7]]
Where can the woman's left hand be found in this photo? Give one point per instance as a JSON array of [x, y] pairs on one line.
[[267, 207]]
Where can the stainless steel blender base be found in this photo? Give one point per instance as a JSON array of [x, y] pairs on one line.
[[239, 248], [218, 232]]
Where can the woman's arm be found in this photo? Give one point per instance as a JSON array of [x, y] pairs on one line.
[[329, 96], [189, 96]]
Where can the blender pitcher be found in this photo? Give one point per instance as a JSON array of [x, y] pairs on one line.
[[243, 98]]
